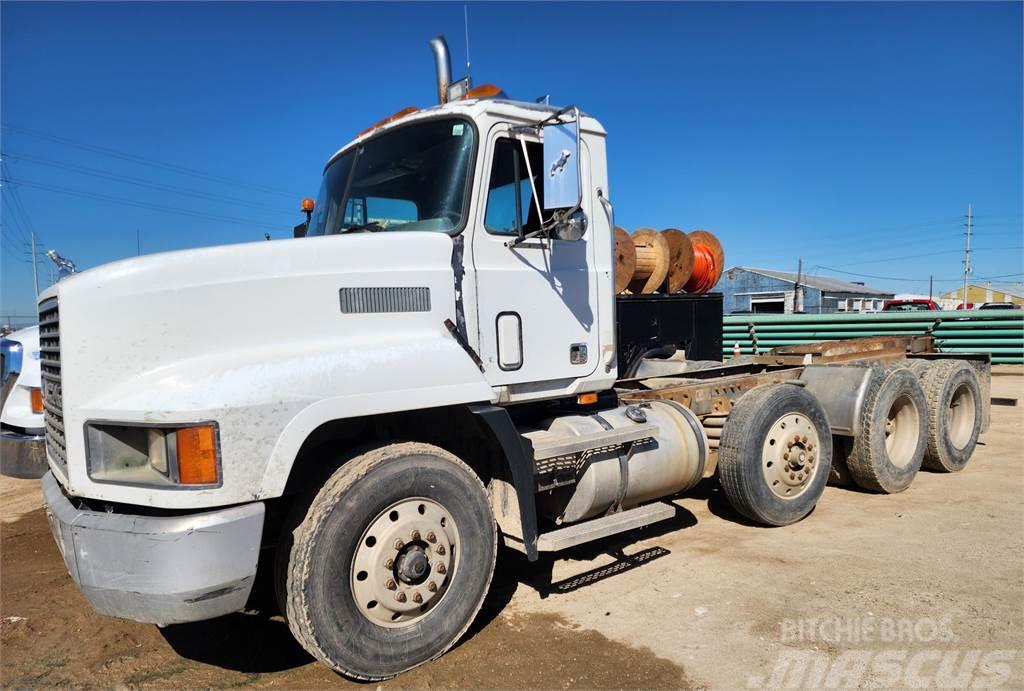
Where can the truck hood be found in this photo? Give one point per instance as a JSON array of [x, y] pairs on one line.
[[250, 335]]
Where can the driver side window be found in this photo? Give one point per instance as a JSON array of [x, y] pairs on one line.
[[500, 217]]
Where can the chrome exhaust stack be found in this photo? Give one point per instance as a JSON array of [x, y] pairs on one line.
[[443, 64]]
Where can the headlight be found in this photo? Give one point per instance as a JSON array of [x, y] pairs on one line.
[[171, 456]]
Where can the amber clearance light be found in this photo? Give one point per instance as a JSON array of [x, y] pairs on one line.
[[36, 399], [197, 455], [389, 119]]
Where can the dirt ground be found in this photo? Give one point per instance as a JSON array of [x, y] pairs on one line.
[[923, 588]]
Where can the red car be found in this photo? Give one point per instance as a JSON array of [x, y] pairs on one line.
[[916, 305]]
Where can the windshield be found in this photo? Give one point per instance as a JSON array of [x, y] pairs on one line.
[[413, 178]]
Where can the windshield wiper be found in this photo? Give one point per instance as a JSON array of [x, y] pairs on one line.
[[371, 227]]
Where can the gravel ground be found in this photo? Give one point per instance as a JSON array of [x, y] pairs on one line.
[[925, 588]]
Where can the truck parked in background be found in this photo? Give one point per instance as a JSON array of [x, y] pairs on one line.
[[444, 378], [22, 445]]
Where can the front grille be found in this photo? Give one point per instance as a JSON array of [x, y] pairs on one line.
[[53, 401]]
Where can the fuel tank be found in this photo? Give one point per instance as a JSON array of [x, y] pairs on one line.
[[672, 460]]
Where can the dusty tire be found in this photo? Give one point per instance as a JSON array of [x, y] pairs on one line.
[[954, 415], [760, 483], [916, 365], [349, 540], [887, 453]]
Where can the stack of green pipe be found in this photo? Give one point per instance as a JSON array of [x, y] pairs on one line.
[[997, 332]]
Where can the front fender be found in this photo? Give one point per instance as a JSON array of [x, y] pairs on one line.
[[428, 374]]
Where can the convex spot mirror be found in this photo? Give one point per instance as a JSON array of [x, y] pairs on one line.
[[573, 227]]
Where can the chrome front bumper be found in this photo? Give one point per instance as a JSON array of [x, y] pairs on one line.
[[155, 569], [22, 455]]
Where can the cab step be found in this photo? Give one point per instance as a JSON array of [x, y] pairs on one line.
[[597, 528]]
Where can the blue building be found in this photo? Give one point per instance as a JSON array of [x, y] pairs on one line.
[[746, 290]]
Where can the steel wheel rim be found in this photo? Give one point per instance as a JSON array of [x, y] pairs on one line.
[[961, 416], [901, 431], [790, 455], [404, 562]]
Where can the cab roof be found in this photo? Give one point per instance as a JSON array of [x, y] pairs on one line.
[[523, 112]]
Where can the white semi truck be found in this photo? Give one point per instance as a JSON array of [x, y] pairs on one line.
[[442, 378]]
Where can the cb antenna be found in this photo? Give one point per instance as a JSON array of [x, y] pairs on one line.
[[465, 21]]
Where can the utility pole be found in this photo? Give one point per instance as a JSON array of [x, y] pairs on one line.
[[796, 286], [138, 244], [35, 271], [930, 281], [967, 254]]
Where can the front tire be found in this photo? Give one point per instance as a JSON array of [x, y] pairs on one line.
[[392, 561]]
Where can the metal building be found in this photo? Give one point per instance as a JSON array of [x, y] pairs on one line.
[[980, 294], [748, 290]]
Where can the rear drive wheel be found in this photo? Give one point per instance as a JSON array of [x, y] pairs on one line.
[[916, 365], [775, 454], [954, 415], [887, 453], [392, 561]]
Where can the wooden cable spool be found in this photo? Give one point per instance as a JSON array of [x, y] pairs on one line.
[[652, 260], [625, 259], [709, 261], [680, 260]]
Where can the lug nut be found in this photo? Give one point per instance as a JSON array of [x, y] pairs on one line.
[[441, 568], [399, 544], [792, 476], [389, 564], [417, 598], [785, 456], [415, 535], [431, 537], [400, 596], [440, 549], [432, 587], [390, 584]]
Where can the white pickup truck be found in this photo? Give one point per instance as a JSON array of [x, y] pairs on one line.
[[22, 445], [443, 378]]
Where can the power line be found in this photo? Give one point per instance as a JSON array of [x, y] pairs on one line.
[[142, 205], [931, 254], [912, 280], [141, 182], [114, 153]]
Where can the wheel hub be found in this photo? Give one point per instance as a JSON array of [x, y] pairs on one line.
[[404, 562], [412, 565], [790, 455]]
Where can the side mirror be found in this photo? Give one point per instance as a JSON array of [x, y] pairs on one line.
[[562, 173]]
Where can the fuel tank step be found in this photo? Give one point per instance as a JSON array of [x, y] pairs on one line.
[[597, 528]]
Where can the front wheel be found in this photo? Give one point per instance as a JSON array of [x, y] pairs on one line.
[[391, 562]]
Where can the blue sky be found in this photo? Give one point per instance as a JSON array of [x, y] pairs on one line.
[[850, 134]]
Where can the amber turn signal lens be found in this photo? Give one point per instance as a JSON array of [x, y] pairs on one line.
[[586, 398], [307, 204], [36, 397], [197, 455]]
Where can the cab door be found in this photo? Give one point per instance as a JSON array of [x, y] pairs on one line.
[[537, 300]]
